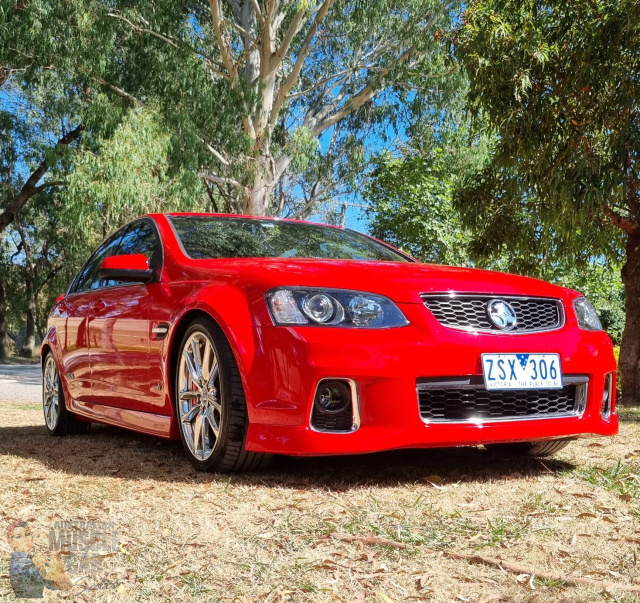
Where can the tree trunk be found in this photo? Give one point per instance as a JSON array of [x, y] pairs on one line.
[[256, 201], [30, 337], [268, 172], [629, 361], [4, 343]]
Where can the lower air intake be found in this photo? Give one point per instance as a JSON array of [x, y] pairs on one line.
[[465, 400]]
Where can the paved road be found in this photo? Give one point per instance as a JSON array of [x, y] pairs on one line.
[[20, 383]]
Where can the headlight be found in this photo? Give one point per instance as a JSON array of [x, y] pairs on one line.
[[333, 307], [586, 315]]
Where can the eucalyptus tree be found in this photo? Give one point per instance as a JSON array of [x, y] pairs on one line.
[[560, 83], [293, 85]]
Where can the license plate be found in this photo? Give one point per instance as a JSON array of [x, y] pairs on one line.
[[521, 371]]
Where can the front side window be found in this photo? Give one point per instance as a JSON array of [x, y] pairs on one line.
[[137, 238], [209, 237], [89, 277], [140, 238]]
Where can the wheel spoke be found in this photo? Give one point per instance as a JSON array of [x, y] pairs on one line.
[[197, 433], [193, 371], [203, 433], [188, 396], [214, 372], [188, 417], [215, 403], [206, 361], [197, 361], [213, 424], [47, 379]]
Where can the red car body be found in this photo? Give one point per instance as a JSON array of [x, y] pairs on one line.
[[116, 352]]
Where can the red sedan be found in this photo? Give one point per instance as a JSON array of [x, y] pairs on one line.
[[249, 336]]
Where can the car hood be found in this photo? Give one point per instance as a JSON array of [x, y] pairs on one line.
[[400, 281]]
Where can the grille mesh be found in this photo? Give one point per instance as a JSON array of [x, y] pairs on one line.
[[470, 312], [341, 421], [470, 404]]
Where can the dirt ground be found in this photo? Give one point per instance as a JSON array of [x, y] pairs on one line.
[[185, 536]]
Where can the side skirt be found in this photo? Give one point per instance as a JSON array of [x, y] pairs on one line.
[[144, 422]]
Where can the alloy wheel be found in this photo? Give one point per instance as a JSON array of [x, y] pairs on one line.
[[199, 399], [51, 393]]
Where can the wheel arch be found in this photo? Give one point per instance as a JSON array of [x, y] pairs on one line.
[[175, 338], [44, 350], [50, 344]]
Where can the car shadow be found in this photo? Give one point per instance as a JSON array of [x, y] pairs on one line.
[[112, 452]]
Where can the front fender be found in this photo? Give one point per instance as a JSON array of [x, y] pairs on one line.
[[236, 315]]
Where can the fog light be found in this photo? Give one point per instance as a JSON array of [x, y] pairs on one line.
[[333, 396], [607, 396]]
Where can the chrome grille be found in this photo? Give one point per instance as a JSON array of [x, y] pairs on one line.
[[469, 312], [465, 400]]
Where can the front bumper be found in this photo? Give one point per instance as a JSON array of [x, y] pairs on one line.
[[281, 367]]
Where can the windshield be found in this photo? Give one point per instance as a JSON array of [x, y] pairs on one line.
[[208, 237]]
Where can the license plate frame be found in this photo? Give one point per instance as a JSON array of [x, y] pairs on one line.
[[531, 371]]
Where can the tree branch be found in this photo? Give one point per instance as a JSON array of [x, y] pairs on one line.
[[267, 31], [225, 51], [30, 188], [49, 184], [119, 91], [356, 101], [629, 226], [241, 30], [222, 180], [323, 81], [213, 65], [293, 30], [155, 34], [256, 8], [217, 154], [313, 198], [292, 78], [211, 199]]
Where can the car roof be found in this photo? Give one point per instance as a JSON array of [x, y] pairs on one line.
[[242, 216]]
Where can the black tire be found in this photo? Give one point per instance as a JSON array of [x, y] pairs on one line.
[[229, 453], [539, 449], [65, 423]]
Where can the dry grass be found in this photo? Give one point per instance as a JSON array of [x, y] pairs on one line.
[[263, 537]]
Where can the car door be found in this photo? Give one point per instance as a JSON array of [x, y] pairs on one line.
[[73, 312], [119, 330]]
